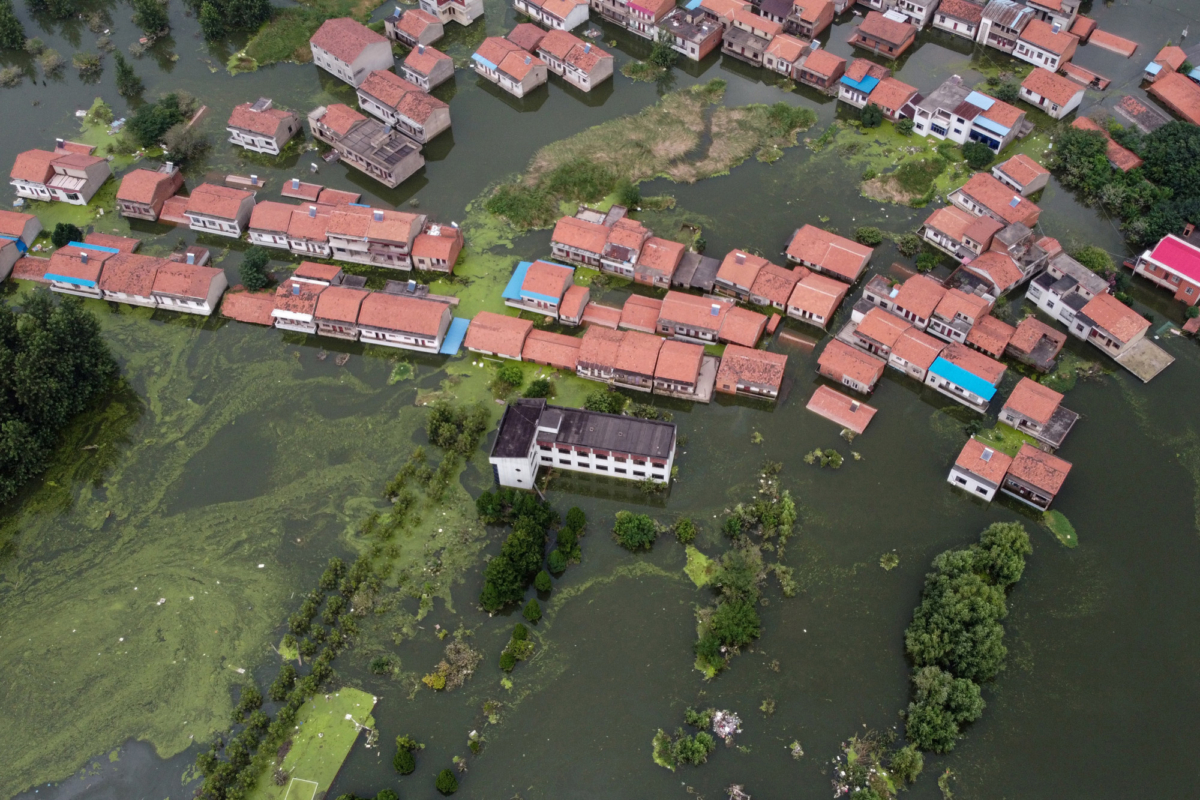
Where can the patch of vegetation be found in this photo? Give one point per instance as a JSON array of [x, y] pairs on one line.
[[457, 428], [977, 155], [683, 748], [150, 123], [1061, 527], [458, 665], [539, 388], [868, 769], [868, 235], [700, 568], [608, 401], [826, 458], [519, 648], [644, 71], [446, 783], [889, 561], [871, 116], [507, 575], [254, 268], [635, 531]]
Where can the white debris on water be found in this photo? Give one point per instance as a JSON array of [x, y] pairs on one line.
[[725, 724]]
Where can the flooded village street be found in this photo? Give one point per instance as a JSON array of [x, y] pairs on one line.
[[154, 567]]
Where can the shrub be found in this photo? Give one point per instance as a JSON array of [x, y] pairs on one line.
[[539, 388], [151, 121], [868, 235], [907, 763], [404, 761], [1009, 92], [532, 611], [628, 193], [520, 633], [557, 562], [576, 519], [927, 261], [871, 116], [387, 794], [542, 582], [905, 126], [523, 206], [88, 64], [11, 76], [51, 62], [606, 401], [977, 154], [508, 661], [510, 375], [1094, 258], [446, 782], [183, 143], [909, 244], [685, 530], [128, 83], [254, 268], [1192, 312], [635, 531], [457, 428], [581, 179], [662, 54], [65, 233]]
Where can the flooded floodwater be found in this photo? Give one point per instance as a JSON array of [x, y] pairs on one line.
[[241, 446]]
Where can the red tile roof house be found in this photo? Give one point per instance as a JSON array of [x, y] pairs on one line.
[[645, 16], [859, 80], [820, 70], [143, 191], [1063, 12], [427, 67], [983, 194], [959, 233], [308, 231], [1035, 477], [836, 407], [891, 96], [1037, 410], [979, 469], [368, 145], [579, 63], [623, 247], [122, 244], [774, 285], [748, 36], [738, 272], [1180, 94], [436, 249], [917, 299], [413, 27], [252, 307], [562, 15], [960, 17], [640, 314], [1168, 60], [269, 222], [296, 304], [1110, 325], [657, 262], [1023, 174], [828, 253], [63, 175], [1035, 343], [403, 104], [1053, 94], [742, 326], [526, 36], [1118, 157], [1065, 288], [815, 299], [809, 18], [990, 336], [377, 237], [850, 366], [464, 12], [75, 269], [219, 209], [574, 302], [875, 333], [1173, 264], [328, 274], [349, 50], [1045, 45], [410, 323], [336, 313], [751, 372], [637, 360], [914, 353], [598, 353], [784, 53], [680, 371], [956, 315], [189, 288], [129, 278], [551, 349], [15, 225], [999, 271], [509, 66], [498, 335], [262, 128], [692, 318], [964, 375], [885, 34], [579, 241], [539, 287]]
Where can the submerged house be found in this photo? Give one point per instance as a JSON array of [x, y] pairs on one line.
[[349, 50], [965, 375], [368, 145], [509, 66], [828, 253], [979, 469], [69, 174], [143, 192], [261, 127], [1037, 410], [1035, 477], [752, 372]]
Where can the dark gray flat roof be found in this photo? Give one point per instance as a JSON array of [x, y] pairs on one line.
[[613, 432], [517, 429]]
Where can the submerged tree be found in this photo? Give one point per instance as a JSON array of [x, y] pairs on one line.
[[128, 83], [12, 34]]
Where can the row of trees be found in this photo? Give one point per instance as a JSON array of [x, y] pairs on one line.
[[53, 365], [956, 638], [218, 18], [1158, 198]]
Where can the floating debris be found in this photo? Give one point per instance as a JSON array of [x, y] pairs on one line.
[[342, 359], [725, 724]]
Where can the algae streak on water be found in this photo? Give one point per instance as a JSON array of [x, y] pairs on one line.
[[131, 577], [326, 729]]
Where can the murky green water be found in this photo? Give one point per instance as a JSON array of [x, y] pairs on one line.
[[243, 447]]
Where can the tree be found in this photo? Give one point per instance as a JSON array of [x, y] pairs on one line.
[[557, 562], [404, 761], [150, 16], [1001, 552], [1172, 155], [868, 235], [247, 15], [128, 83], [1094, 258], [576, 519], [927, 261], [532, 610], [977, 154], [635, 531], [606, 401], [12, 34], [212, 21], [662, 54], [685, 530], [65, 233], [941, 706], [1009, 92], [871, 116], [907, 763], [628, 193], [446, 783], [542, 582], [151, 121], [539, 388], [184, 143], [909, 244], [55, 9], [254, 268], [510, 375], [905, 126], [387, 794]]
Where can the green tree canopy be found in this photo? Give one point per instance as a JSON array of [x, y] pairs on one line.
[[254, 268], [977, 154], [64, 233], [1172, 156], [446, 783], [150, 16], [12, 33], [635, 531], [128, 83]]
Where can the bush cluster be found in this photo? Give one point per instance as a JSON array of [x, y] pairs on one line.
[[635, 531], [956, 638], [405, 761], [508, 575], [457, 428], [608, 401]]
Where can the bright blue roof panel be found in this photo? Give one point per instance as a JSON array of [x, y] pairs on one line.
[[866, 85], [513, 290], [454, 336], [692, 5], [967, 380], [50, 276], [994, 127], [96, 247], [484, 61], [1153, 68], [980, 100]]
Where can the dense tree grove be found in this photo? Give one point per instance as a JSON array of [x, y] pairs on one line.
[[150, 123], [508, 575], [55, 9], [53, 365], [221, 17], [254, 268], [956, 639], [150, 16], [457, 428], [635, 531], [12, 34]]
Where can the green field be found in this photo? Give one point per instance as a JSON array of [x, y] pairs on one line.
[[326, 728]]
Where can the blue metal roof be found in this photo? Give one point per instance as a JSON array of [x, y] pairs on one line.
[[692, 5], [513, 290], [454, 336], [96, 247], [50, 276], [980, 100], [1154, 68], [866, 85], [967, 380], [21, 246], [483, 61], [994, 127], [1195, 74], [358, 205]]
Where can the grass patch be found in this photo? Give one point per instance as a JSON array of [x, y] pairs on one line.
[[1061, 527], [917, 177], [643, 71], [700, 568], [664, 140], [1005, 439], [323, 739], [285, 37], [1068, 371]]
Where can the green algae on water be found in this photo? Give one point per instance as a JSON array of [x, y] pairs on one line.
[[1061, 527], [700, 568]]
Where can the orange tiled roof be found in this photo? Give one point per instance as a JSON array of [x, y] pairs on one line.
[[823, 62], [751, 366], [125, 244], [217, 201], [840, 409], [679, 361], [637, 353], [957, 301], [786, 48], [271, 216], [882, 327], [983, 229], [387, 87], [990, 335], [998, 198], [589, 237], [742, 326], [661, 256], [497, 333], [1040, 469], [640, 313], [185, 280], [1115, 317], [423, 63], [526, 35], [573, 301], [993, 469], [997, 267], [394, 312], [860, 68], [1124, 159], [1180, 94], [818, 295], [839, 358], [1033, 400], [600, 345], [920, 295], [1030, 331], [877, 26], [831, 252], [547, 279], [952, 221], [962, 9], [1023, 169], [265, 123], [1041, 33], [979, 365], [891, 94], [252, 307], [445, 246], [415, 22], [141, 185], [127, 273], [1054, 88], [298, 297], [553, 349], [344, 38], [917, 348], [33, 166], [340, 118], [339, 304], [317, 272], [776, 283], [693, 311]]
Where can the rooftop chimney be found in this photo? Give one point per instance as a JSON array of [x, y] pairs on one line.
[[312, 211], [412, 286], [421, 49], [58, 144], [716, 309], [377, 215], [295, 183], [191, 257], [254, 180], [169, 166], [587, 47]]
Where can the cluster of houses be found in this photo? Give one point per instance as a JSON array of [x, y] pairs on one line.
[[70, 173], [522, 61]]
